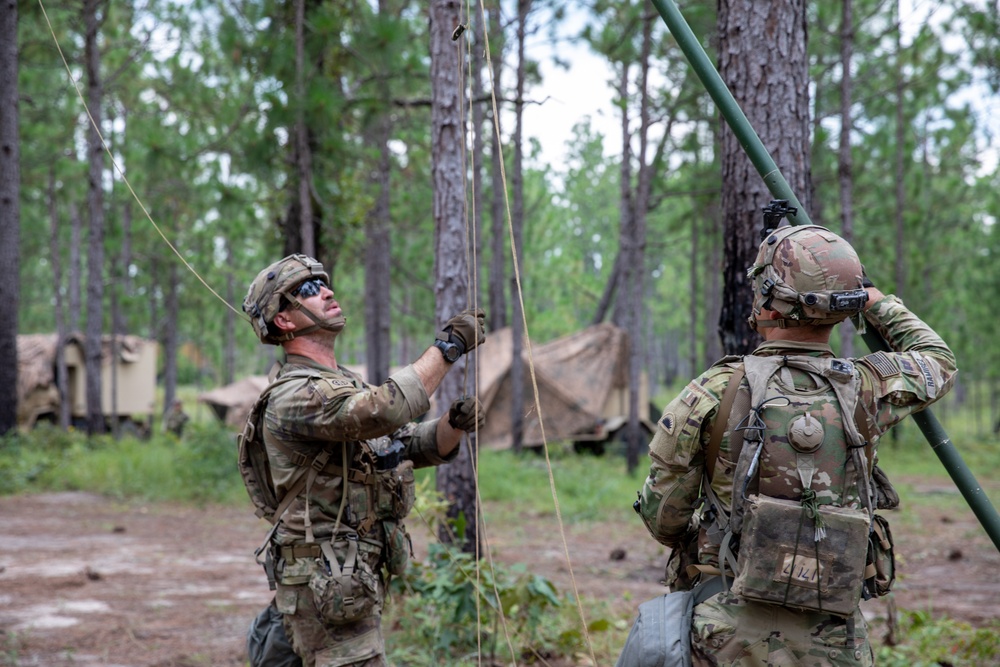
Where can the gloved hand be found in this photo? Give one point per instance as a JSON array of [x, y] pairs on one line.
[[466, 414], [467, 329]]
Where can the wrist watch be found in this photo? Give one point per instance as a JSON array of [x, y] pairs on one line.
[[449, 351]]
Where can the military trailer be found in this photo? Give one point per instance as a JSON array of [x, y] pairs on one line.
[[128, 380]]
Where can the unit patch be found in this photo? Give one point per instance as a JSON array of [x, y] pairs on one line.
[[668, 421], [907, 366], [881, 363]]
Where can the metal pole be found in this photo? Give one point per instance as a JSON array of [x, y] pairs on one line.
[[776, 183]]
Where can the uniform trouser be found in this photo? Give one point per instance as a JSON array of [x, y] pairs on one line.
[[322, 644], [729, 631]]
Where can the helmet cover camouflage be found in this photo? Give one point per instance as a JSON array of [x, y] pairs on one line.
[[264, 298], [808, 274]]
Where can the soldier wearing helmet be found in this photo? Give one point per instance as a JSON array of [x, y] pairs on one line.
[[791, 430], [355, 446]]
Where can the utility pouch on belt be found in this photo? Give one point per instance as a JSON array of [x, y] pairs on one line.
[[780, 562], [398, 547], [396, 492], [880, 570], [345, 593]]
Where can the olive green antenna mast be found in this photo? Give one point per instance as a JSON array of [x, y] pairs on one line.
[[796, 214]]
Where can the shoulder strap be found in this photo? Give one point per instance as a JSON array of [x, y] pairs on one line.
[[861, 419], [721, 419]]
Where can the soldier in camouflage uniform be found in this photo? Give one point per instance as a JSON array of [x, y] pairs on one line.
[[324, 406], [798, 273], [176, 419]]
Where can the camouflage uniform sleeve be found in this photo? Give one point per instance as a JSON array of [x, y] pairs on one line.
[[420, 440], [331, 407], [920, 369], [677, 459]]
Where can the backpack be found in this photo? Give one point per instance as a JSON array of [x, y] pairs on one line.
[[802, 503], [255, 469]]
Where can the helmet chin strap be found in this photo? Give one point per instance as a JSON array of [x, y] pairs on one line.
[[333, 324]]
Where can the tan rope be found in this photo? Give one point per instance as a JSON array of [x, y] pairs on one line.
[[527, 340]]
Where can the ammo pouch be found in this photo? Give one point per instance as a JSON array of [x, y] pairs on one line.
[[880, 568], [395, 492], [781, 563], [398, 547], [349, 591]]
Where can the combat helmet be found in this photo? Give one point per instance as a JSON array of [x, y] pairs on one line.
[[807, 273], [272, 290]]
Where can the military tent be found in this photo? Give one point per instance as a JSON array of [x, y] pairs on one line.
[[582, 383], [232, 402]]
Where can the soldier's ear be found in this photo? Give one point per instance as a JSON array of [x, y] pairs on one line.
[[283, 322]]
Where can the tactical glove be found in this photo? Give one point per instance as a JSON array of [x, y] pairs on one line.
[[466, 414], [467, 329]]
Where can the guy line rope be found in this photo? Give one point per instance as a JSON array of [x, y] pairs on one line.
[[472, 295]]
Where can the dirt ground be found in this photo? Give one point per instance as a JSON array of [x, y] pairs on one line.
[[85, 580]]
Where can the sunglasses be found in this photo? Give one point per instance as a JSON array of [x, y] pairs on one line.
[[309, 288]]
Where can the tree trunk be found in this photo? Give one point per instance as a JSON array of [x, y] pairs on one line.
[[478, 147], [456, 480], [303, 154], [498, 238], [845, 164], [59, 304], [900, 160], [517, 369], [637, 356], [625, 207], [95, 205], [763, 60], [229, 353], [170, 335], [75, 269], [10, 215], [377, 259]]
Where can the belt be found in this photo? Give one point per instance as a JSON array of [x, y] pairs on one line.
[[300, 551]]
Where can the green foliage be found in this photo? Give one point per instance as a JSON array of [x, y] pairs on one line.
[[450, 607], [198, 468], [588, 488], [929, 642]]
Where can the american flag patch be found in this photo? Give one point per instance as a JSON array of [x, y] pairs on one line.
[[882, 364]]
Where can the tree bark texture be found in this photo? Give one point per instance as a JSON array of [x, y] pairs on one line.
[[95, 206], [59, 304], [10, 215], [377, 259], [497, 315], [456, 480], [637, 256], [763, 60], [845, 162], [303, 153], [518, 372], [899, 166]]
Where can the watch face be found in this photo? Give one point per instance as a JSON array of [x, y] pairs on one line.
[[449, 351]]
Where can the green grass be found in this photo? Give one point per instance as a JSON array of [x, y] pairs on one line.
[[198, 468]]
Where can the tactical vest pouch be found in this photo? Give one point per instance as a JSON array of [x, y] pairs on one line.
[[347, 592], [398, 547], [396, 492], [780, 562], [880, 572]]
